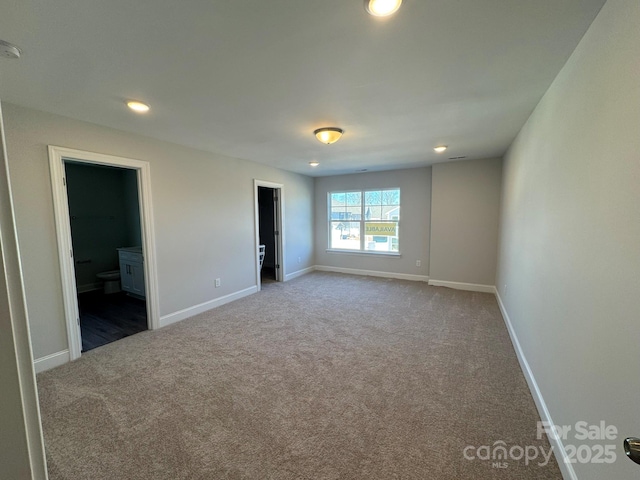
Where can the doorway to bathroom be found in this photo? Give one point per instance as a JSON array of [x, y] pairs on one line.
[[106, 246], [104, 215]]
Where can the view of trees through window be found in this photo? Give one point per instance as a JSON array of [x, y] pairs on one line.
[[365, 220]]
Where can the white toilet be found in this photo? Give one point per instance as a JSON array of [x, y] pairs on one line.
[[111, 281]]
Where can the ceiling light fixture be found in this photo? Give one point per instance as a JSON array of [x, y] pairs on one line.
[[138, 107], [314, 164], [8, 50], [328, 135], [382, 8], [440, 148]]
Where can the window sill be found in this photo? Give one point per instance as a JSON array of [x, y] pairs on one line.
[[360, 252]]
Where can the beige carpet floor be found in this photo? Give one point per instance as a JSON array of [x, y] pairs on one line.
[[328, 376]]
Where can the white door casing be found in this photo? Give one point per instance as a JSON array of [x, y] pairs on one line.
[[57, 157]]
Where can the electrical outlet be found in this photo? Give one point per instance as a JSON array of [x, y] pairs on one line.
[[505, 289], [217, 282], [418, 263], [299, 259]]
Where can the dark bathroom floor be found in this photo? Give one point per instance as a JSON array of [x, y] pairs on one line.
[[107, 318]]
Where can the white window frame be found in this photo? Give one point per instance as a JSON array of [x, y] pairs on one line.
[[362, 221]]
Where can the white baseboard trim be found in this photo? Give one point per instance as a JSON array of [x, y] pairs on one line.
[[89, 287], [373, 273], [471, 287], [51, 361], [299, 273], [566, 468], [203, 307]]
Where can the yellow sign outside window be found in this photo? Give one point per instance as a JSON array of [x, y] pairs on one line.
[[381, 229]]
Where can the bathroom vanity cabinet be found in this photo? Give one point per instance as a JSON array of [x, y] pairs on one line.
[[132, 270]]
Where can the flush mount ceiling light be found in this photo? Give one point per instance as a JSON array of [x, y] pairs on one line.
[[138, 107], [382, 8], [440, 148], [328, 135], [314, 164], [8, 50]]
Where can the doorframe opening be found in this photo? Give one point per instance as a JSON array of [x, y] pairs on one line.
[[57, 157], [279, 225]]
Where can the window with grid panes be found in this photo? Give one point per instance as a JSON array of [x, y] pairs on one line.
[[365, 220]]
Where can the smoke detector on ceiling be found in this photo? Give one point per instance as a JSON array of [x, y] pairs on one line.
[[9, 50]]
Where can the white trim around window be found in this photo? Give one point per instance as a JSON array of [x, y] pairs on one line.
[[364, 221]]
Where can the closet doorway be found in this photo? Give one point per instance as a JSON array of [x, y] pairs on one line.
[[269, 234]]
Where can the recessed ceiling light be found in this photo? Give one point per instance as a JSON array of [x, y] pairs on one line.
[[440, 148], [314, 164], [8, 50], [328, 135], [138, 107], [382, 8]]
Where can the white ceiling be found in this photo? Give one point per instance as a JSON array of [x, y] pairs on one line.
[[252, 79]]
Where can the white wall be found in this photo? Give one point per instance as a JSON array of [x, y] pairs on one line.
[[569, 261], [203, 208], [21, 445], [465, 215], [415, 199]]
